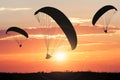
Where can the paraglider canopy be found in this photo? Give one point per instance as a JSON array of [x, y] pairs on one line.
[[63, 23], [103, 16], [18, 30], [101, 11]]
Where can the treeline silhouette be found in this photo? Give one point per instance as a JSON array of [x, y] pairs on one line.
[[60, 76]]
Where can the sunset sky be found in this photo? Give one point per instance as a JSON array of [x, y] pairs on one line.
[[95, 51]]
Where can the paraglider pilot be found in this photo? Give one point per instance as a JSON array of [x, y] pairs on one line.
[[105, 30], [20, 45]]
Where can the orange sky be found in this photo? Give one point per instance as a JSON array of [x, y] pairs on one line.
[[96, 51]]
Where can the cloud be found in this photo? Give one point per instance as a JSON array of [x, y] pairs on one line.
[[12, 37], [33, 36], [92, 43], [31, 28], [117, 32], [79, 20], [14, 9], [92, 35], [36, 36], [39, 36]]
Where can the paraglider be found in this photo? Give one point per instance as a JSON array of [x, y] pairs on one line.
[[62, 21], [105, 12], [20, 45], [18, 30], [48, 56]]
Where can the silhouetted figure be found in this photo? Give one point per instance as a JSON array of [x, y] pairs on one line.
[[105, 30], [48, 56], [20, 45]]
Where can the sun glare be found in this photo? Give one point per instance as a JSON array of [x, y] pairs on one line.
[[60, 56]]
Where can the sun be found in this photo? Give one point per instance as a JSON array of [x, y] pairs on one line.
[[60, 56]]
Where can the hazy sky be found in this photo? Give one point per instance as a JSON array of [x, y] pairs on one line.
[[96, 51], [78, 9]]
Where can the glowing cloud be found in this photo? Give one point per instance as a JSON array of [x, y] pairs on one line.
[[39, 36], [14, 9], [33, 36], [11, 37], [78, 20], [88, 44]]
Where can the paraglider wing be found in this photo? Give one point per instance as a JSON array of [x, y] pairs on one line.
[[18, 30], [63, 22], [100, 12]]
